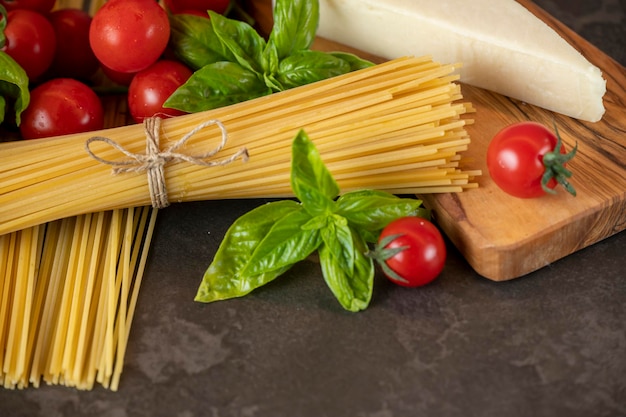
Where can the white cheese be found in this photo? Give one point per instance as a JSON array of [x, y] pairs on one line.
[[501, 46]]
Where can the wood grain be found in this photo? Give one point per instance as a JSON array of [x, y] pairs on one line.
[[503, 237]]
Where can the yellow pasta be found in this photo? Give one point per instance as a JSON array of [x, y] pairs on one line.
[[370, 126], [68, 291]]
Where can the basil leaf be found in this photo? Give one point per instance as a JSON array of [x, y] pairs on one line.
[[3, 25], [13, 86], [337, 237], [372, 210], [216, 85], [3, 106], [244, 45], [295, 25], [286, 243], [354, 61], [270, 57], [311, 181], [353, 291], [194, 41], [223, 278], [305, 67]]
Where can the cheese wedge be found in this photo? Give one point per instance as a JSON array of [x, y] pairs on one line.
[[501, 46]]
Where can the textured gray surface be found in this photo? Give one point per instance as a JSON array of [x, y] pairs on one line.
[[549, 344]]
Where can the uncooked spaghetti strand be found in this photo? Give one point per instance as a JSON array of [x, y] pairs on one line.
[[143, 240]]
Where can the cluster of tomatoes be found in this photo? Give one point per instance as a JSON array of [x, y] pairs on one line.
[[62, 50]]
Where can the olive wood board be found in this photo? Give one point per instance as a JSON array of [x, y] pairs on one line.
[[504, 237]]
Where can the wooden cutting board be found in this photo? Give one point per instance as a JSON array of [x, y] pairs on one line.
[[503, 237]]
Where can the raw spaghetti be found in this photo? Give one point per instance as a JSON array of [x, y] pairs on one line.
[[68, 296], [396, 127]]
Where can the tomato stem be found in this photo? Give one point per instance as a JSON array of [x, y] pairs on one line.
[[554, 163], [382, 253]]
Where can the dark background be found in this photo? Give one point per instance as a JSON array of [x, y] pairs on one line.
[[552, 343]]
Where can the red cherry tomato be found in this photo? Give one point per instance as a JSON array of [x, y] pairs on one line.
[[74, 57], [411, 251], [151, 87], [516, 160], [30, 40], [129, 35], [59, 107], [178, 6], [41, 6]]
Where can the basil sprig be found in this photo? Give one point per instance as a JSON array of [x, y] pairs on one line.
[[233, 63], [13, 79], [265, 242]]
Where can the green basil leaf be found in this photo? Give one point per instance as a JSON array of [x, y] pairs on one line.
[[223, 278], [305, 67], [295, 25], [372, 210], [311, 181], [246, 46], [356, 63], [13, 86], [353, 291], [285, 244], [337, 237], [270, 58], [3, 106], [3, 25], [217, 85], [194, 41]]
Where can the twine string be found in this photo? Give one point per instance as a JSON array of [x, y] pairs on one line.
[[154, 160]]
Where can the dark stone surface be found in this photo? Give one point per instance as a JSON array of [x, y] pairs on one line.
[[552, 343]]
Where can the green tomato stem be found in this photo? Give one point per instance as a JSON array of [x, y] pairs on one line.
[[554, 163], [381, 254]]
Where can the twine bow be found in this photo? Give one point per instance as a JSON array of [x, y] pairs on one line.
[[154, 160]]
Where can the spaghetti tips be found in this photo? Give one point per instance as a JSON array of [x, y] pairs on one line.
[[67, 298]]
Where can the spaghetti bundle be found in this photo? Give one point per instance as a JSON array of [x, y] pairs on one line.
[[67, 298], [396, 127]]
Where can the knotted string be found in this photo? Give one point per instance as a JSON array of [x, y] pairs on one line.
[[154, 160]]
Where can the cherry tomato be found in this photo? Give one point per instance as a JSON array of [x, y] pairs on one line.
[[151, 87], [411, 251], [129, 35], [526, 160], [74, 57], [30, 40], [178, 6], [41, 6], [59, 107]]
